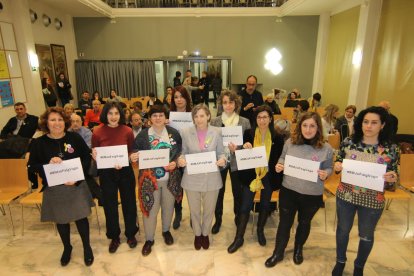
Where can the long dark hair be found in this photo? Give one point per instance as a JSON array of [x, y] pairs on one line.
[[385, 134], [267, 109], [185, 95], [299, 139]]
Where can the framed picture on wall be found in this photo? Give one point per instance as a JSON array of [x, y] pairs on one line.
[[59, 60], [45, 62]]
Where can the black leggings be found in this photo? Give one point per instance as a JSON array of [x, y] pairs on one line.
[[291, 202], [83, 229]]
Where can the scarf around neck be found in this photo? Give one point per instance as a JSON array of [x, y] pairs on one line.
[[257, 185]]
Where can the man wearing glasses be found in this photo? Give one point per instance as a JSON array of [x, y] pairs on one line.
[[251, 99], [23, 124]]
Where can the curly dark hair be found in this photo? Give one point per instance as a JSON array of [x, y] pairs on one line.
[[297, 137], [45, 116], [385, 135], [105, 110], [233, 97]]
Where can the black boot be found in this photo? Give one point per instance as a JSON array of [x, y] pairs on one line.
[[338, 269], [260, 228], [239, 239], [217, 224], [177, 219], [298, 254], [274, 259]]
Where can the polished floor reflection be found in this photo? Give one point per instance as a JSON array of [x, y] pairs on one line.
[[38, 251]]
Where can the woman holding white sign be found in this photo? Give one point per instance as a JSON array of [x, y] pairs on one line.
[[262, 179], [114, 132], [231, 104], [181, 103], [302, 185], [202, 189], [369, 143], [72, 201], [158, 187]]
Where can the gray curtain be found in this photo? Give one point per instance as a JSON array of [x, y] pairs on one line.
[[130, 78]]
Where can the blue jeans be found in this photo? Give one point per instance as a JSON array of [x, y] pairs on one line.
[[247, 197], [367, 221]]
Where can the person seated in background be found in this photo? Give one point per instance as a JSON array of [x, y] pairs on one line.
[[153, 101], [68, 109], [23, 124], [279, 95], [282, 127], [167, 98], [329, 119], [314, 102], [127, 114], [302, 107], [136, 123], [393, 121], [84, 103], [113, 97], [76, 126], [97, 96], [137, 108], [345, 123], [92, 115], [270, 101], [86, 134], [291, 100], [297, 92]]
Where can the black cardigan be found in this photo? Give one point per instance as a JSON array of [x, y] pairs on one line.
[[247, 176]]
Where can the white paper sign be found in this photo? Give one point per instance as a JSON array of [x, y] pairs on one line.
[[180, 120], [301, 168], [251, 158], [67, 171], [364, 174], [204, 162], [154, 158], [232, 134], [108, 157]]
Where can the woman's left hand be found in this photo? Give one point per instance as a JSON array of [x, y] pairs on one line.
[[390, 177], [118, 167], [221, 162], [322, 174], [71, 183], [232, 147], [171, 166]]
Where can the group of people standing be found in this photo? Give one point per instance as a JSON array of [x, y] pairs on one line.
[[162, 188]]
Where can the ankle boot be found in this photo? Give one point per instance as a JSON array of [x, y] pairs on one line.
[[177, 219], [298, 254], [217, 224], [66, 255], [260, 228], [239, 239], [274, 259]]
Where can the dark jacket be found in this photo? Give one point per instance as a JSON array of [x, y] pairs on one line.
[[274, 106], [256, 98], [64, 92], [247, 176], [26, 130], [341, 125]]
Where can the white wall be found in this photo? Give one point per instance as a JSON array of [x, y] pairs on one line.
[[27, 35]]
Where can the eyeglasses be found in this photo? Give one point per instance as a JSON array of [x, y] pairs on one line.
[[263, 118]]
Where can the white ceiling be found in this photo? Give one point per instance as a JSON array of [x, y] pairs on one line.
[[96, 8]]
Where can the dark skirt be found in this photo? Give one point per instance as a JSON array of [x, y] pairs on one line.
[[64, 204]]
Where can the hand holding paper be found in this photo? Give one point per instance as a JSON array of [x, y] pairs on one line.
[[112, 157], [66, 172]]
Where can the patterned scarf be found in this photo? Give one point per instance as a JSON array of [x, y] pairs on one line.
[[256, 185]]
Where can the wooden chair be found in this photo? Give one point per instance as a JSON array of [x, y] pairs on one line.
[[13, 184], [334, 140], [407, 171], [287, 112], [320, 110], [277, 117]]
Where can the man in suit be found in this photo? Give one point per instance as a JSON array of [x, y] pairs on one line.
[[23, 124]]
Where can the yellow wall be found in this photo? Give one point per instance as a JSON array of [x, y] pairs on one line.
[[392, 76], [341, 44]]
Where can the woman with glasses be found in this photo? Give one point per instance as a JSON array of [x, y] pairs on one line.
[[263, 179]]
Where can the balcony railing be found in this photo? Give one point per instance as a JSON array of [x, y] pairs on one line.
[[193, 3]]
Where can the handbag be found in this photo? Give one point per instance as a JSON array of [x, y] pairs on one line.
[[93, 168]]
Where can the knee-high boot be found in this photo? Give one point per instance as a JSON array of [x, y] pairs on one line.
[[241, 229], [260, 227]]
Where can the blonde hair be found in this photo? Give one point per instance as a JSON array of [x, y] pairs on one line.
[[330, 111], [201, 107]]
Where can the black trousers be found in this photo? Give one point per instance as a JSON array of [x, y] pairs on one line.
[[111, 181], [247, 197], [235, 188], [291, 202]]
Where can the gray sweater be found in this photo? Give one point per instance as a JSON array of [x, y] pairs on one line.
[[323, 155]]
